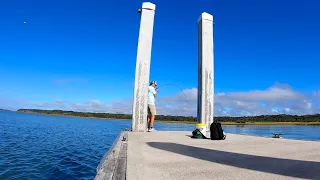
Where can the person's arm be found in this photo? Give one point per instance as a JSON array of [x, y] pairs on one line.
[[154, 92]]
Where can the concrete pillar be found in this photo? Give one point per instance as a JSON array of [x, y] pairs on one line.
[[205, 72], [142, 72]]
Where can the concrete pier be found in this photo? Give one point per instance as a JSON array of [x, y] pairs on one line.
[[171, 155], [113, 165], [142, 72], [167, 155], [205, 71]]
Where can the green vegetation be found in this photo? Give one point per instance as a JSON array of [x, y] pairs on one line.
[[264, 119]]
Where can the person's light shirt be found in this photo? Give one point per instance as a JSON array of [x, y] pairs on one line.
[[151, 93]]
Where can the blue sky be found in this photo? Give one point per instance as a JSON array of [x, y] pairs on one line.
[[85, 51]]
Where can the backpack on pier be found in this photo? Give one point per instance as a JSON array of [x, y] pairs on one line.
[[216, 131]]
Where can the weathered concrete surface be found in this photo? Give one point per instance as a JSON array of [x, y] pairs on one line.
[[113, 165], [175, 156], [142, 72], [205, 71]]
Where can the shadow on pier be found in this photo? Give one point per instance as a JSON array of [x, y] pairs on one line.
[[286, 167]]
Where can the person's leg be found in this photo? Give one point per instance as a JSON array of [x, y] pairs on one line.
[[153, 114], [149, 118], [152, 121]]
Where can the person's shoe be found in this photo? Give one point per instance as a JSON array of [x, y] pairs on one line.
[[148, 129], [152, 129]]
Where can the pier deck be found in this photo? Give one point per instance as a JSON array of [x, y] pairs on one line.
[[176, 156]]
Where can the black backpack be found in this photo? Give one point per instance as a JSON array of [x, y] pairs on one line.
[[216, 131]]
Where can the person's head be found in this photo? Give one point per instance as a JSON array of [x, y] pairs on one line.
[[153, 83]]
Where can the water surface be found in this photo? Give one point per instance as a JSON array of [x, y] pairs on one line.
[[52, 147]]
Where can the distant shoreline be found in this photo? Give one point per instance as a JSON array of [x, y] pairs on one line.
[[185, 122]]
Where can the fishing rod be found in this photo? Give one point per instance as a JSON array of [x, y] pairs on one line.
[[185, 97]]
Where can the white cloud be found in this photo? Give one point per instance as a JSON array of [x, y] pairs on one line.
[[277, 99], [316, 94], [13, 103], [273, 100], [57, 104]]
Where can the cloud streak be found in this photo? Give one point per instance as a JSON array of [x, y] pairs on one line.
[[57, 104], [277, 99]]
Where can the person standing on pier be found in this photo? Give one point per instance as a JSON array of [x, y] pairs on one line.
[[152, 93]]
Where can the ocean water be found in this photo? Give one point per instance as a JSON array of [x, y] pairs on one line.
[[51, 147]]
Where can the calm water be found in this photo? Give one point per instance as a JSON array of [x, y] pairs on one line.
[[50, 147]]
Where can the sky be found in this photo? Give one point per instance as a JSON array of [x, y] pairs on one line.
[[80, 55]]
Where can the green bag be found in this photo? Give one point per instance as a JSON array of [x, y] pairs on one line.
[[197, 134]]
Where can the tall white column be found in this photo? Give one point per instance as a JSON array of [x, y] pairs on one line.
[[141, 82], [205, 71]]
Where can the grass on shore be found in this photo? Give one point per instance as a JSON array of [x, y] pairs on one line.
[[189, 122]]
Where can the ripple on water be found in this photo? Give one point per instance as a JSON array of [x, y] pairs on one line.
[[49, 147]]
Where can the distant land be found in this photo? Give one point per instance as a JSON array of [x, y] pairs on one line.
[[281, 119], [4, 109]]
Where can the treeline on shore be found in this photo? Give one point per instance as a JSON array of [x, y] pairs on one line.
[[244, 119]]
